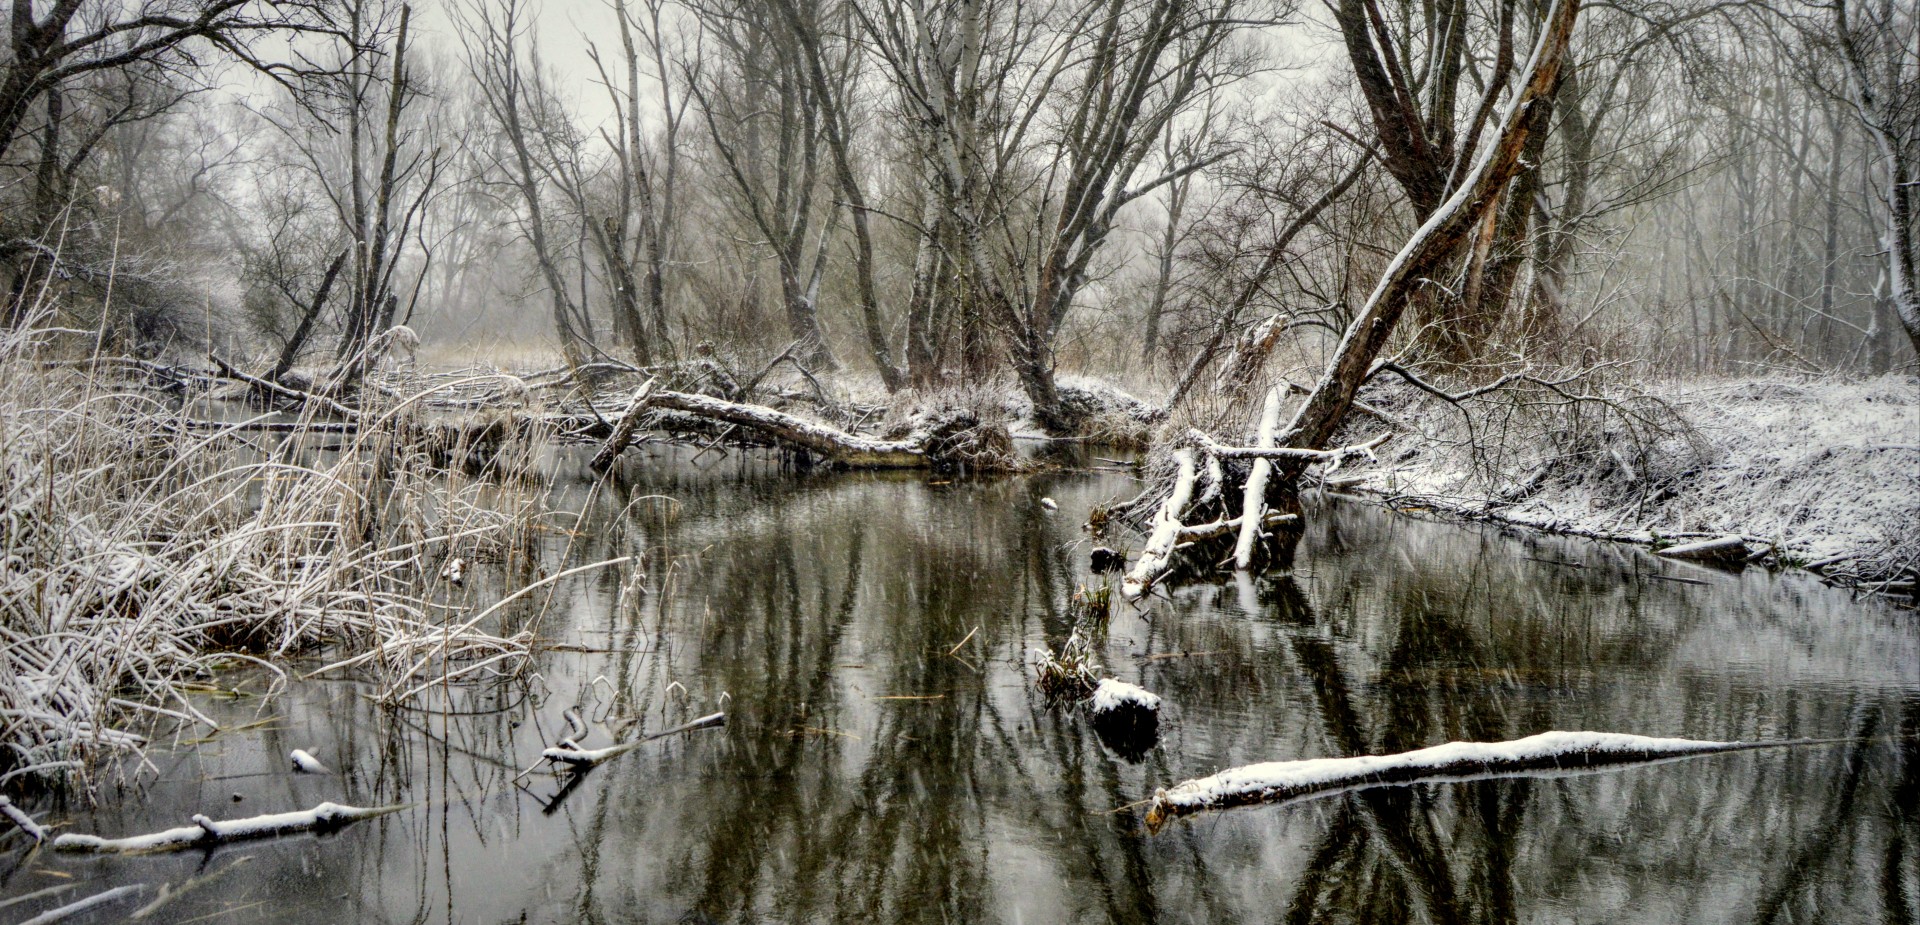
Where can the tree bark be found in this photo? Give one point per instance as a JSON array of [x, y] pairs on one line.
[[1320, 416]]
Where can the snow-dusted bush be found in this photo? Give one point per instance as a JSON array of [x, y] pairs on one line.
[[142, 546]]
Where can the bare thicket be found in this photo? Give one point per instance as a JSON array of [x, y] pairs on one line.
[[869, 233]]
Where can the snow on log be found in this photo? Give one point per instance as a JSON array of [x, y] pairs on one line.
[[1253, 504], [1113, 694], [1278, 781], [206, 832], [1328, 458], [1126, 717], [305, 763], [1218, 528], [828, 441], [21, 819], [587, 757], [623, 429], [1718, 549], [1166, 530]]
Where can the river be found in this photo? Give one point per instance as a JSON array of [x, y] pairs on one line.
[[887, 758]]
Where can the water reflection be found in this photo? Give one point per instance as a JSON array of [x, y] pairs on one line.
[[887, 759]]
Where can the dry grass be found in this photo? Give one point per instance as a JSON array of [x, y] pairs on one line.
[[141, 549], [1069, 674]]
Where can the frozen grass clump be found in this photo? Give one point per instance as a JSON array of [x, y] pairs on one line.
[[142, 547], [1069, 674]]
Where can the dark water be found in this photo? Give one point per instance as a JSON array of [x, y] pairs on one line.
[[870, 776]]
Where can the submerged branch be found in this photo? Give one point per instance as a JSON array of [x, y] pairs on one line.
[[1280, 781], [580, 759], [205, 833]]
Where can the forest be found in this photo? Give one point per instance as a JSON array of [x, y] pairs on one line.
[[458, 360]]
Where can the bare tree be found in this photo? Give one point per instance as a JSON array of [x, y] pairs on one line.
[[1878, 43], [359, 132], [492, 36], [1069, 103], [767, 123]]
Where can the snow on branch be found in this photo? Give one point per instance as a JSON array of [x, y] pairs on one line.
[[580, 759], [205, 832], [21, 819], [1280, 781]]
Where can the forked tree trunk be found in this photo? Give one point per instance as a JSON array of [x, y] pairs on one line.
[[1326, 406]]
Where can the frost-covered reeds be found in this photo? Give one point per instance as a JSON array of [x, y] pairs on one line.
[[143, 545]]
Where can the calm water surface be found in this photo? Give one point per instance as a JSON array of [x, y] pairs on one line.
[[888, 760]]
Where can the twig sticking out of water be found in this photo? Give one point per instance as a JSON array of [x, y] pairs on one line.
[[581, 759], [75, 908], [21, 819]]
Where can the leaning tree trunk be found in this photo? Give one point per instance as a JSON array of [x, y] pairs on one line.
[[1307, 437], [1314, 425]]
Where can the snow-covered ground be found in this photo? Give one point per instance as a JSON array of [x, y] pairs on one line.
[[1828, 473]]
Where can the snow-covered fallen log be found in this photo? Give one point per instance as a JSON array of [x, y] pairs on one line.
[[1166, 529], [831, 442], [1718, 549], [1254, 500], [206, 832], [1278, 781], [623, 429]]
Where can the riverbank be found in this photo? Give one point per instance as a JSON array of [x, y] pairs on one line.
[[1823, 475]]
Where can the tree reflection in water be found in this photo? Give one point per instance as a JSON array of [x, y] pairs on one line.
[[873, 772]]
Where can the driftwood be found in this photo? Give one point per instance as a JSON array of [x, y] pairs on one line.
[[1283, 781], [941, 439], [205, 832], [1724, 549], [581, 759]]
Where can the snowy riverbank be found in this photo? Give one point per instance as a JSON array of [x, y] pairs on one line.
[[1825, 473]]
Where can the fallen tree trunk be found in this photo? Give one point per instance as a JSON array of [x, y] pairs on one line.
[[1255, 499], [206, 832], [623, 430], [1422, 260], [1281, 781], [1158, 553], [88, 904], [830, 442], [949, 438], [1724, 549]]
